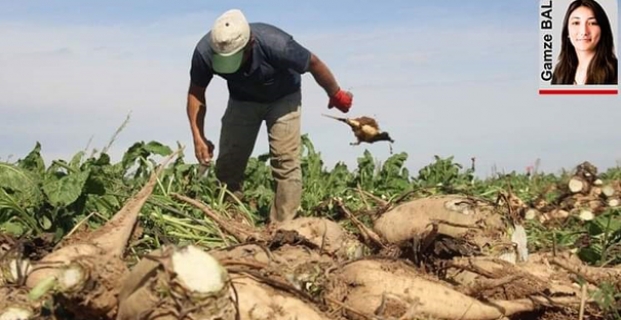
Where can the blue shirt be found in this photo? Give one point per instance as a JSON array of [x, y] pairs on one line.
[[272, 72]]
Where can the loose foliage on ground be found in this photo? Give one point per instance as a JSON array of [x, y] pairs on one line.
[[153, 236]]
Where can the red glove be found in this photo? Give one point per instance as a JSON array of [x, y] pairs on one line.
[[341, 100]]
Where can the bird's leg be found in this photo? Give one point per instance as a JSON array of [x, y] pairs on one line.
[[354, 143]]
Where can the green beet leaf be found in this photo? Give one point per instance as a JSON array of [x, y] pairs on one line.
[[67, 189]]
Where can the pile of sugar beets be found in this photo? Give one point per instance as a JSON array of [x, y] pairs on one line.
[[438, 257]]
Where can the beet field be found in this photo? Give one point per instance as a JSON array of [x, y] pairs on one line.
[[153, 236]]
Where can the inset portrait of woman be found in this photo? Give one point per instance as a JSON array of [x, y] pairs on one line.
[[587, 47]]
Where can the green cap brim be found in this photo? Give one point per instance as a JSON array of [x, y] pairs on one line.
[[227, 64]]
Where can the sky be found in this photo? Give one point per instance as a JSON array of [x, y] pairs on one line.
[[451, 78]]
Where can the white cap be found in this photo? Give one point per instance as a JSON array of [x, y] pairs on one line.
[[229, 35]]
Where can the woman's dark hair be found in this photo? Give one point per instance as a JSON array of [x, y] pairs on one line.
[[603, 68]]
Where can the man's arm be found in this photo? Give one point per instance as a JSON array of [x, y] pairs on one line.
[[323, 75], [295, 57], [339, 98], [196, 110]]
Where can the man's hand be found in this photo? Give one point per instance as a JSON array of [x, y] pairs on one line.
[[341, 100], [203, 149]]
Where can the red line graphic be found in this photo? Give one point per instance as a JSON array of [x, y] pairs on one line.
[[579, 91]]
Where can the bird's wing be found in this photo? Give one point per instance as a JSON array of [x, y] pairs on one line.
[[369, 130], [367, 121]]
